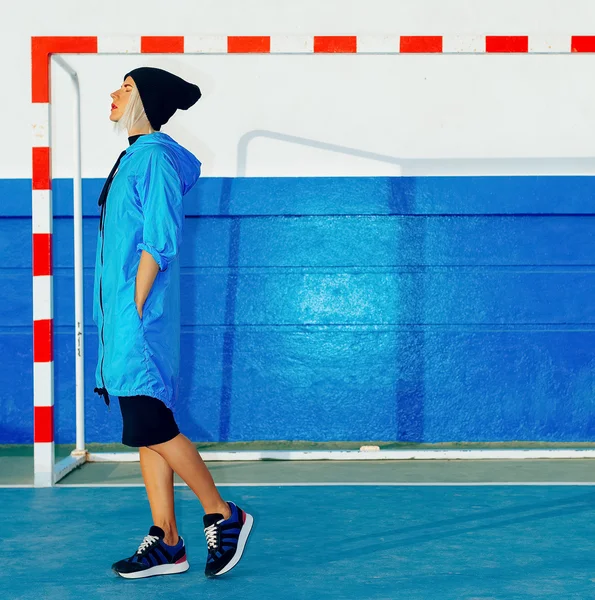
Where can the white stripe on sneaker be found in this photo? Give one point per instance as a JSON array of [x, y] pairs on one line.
[[242, 539], [158, 570]]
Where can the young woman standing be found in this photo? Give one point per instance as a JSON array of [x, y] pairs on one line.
[[137, 311]]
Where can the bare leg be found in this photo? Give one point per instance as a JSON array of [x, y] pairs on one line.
[[159, 482], [182, 457]]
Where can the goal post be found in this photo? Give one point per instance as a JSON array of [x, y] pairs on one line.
[[46, 472]]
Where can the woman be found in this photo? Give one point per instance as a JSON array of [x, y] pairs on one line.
[[137, 311]]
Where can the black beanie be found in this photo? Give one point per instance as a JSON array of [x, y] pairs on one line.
[[162, 93]]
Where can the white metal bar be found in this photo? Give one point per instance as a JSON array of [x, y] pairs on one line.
[[118, 44], [43, 460], [40, 113], [550, 44], [378, 44], [292, 44], [78, 273], [78, 260], [250, 455], [464, 44], [113, 457], [43, 377], [43, 294], [205, 44], [66, 465], [42, 211]]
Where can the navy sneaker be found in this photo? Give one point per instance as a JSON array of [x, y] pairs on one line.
[[153, 557], [226, 539]]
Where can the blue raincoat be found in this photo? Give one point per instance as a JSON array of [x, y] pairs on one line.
[[144, 211]]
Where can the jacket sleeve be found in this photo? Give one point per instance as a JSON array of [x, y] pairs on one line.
[[160, 191]]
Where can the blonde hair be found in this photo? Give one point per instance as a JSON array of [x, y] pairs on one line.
[[134, 115]]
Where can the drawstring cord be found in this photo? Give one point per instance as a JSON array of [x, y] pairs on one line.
[[106, 186], [103, 393]]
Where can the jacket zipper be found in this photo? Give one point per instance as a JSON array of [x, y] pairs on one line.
[[103, 391], [103, 202], [102, 312]]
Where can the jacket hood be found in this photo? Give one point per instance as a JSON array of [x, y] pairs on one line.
[[187, 165]]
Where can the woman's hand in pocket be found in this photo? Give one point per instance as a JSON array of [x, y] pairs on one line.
[[145, 277]]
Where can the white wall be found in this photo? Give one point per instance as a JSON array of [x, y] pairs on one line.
[[327, 115]]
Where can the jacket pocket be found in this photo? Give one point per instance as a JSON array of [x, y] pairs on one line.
[[134, 302]]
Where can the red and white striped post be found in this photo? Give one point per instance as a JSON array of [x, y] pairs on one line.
[[43, 306], [43, 47], [43, 314]]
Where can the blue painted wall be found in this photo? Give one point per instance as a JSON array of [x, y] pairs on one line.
[[418, 309]]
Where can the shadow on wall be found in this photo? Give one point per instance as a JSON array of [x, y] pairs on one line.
[[410, 167], [410, 390], [409, 368], [193, 355], [318, 145], [231, 291]]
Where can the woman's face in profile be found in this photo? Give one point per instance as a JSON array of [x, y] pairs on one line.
[[120, 99]]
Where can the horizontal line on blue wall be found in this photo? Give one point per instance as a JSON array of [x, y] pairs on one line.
[[354, 270], [332, 269], [353, 216], [505, 195], [91, 330]]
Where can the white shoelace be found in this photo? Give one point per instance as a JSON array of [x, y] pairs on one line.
[[149, 539], [211, 535]]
